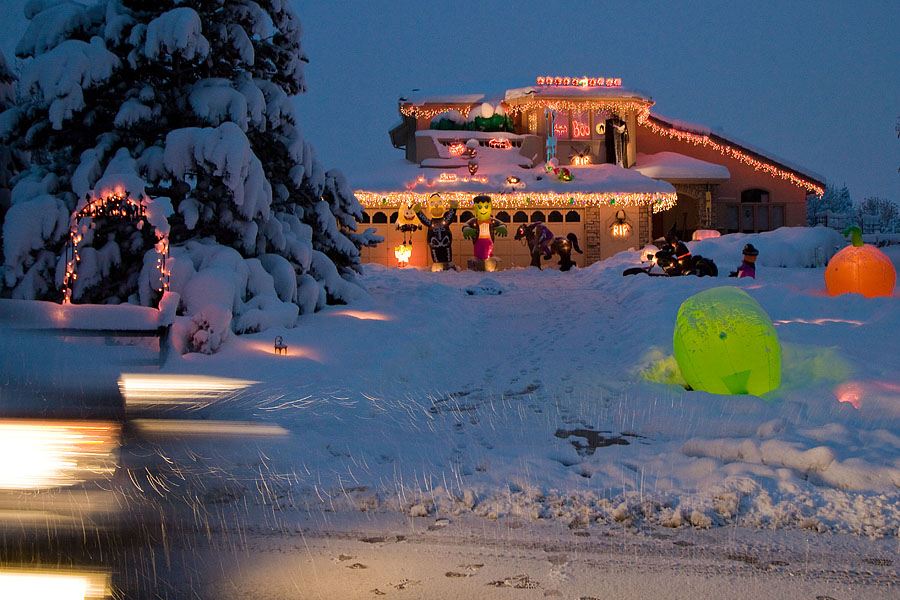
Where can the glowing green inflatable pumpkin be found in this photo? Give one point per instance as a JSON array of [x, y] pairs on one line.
[[725, 343]]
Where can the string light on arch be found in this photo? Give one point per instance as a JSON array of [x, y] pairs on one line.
[[116, 203]]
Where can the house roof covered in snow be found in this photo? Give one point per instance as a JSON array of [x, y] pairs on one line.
[[503, 172], [678, 168]]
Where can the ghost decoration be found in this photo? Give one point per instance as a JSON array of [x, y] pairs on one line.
[[860, 268], [725, 343]]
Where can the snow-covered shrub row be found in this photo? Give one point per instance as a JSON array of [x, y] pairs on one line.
[[187, 108]]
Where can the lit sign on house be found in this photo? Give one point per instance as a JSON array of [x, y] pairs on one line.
[[580, 81]]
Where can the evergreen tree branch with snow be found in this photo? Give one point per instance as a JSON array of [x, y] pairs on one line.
[[186, 105]]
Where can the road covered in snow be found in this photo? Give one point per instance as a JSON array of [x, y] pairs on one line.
[[476, 434], [549, 406]]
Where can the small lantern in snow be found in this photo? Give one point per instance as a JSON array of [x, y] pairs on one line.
[[402, 254], [280, 346]]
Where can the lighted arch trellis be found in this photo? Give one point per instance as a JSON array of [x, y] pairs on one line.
[[119, 204]]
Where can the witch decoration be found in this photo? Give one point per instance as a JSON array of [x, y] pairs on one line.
[[439, 236]]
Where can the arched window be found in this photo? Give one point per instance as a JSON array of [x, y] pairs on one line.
[[503, 216], [555, 217], [379, 217], [573, 217], [520, 217], [537, 217], [754, 195], [365, 218], [465, 216], [394, 216]]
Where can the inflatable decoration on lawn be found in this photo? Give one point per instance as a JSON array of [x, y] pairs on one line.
[[407, 223], [481, 229], [725, 343], [440, 238], [860, 268]]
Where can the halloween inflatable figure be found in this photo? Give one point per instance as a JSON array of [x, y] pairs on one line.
[[481, 229], [748, 265], [439, 236], [860, 269], [407, 224]]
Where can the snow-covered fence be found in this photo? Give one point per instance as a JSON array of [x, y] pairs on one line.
[[837, 221], [91, 320]]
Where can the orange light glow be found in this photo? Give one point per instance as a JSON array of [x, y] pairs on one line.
[[447, 177], [364, 316], [621, 230], [402, 254], [500, 143], [582, 160], [49, 454], [297, 352], [851, 392], [457, 149]]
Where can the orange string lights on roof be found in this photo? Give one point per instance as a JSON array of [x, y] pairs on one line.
[[729, 151]]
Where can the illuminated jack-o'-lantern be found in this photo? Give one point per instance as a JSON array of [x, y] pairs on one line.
[[725, 343], [861, 269]]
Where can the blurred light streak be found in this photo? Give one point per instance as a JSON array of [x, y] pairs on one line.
[[54, 584], [180, 427], [365, 316], [819, 321], [154, 390], [45, 454]]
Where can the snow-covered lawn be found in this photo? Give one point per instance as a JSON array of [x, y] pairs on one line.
[[559, 399]]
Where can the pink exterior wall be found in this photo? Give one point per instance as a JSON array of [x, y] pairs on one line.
[[743, 176]]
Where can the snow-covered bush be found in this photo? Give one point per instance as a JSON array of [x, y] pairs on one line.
[[186, 106]]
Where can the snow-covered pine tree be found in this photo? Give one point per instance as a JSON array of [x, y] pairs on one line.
[[187, 106], [10, 162]]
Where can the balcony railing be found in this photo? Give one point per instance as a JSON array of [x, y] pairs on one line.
[[751, 217]]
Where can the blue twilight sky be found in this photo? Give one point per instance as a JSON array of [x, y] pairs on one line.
[[816, 83]]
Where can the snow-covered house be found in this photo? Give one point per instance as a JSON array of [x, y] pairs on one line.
[[583, 155]]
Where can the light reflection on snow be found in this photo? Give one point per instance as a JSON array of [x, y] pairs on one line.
[[853, 392], [364, 315], [293, 351], [819, 321]]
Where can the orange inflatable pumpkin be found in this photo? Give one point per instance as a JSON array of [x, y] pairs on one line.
[[860, 269]]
